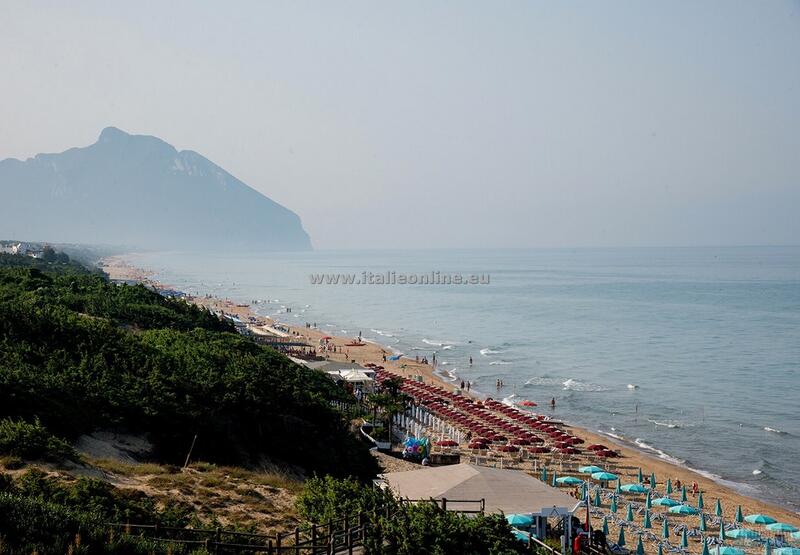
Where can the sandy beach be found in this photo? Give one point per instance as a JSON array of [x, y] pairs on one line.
[[626, 466]]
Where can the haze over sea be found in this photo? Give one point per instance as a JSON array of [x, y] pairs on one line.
[[690, 353]]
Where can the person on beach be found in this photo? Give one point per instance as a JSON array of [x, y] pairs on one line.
[[553, 403], [470, 361], [462, 384], [469, 385]]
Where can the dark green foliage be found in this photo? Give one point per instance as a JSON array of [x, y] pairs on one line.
[[405, 529], [44, 514], [82, 354], [32, 441]]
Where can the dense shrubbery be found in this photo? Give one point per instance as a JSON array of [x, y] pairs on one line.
[[82, 354], [32, 441], [45, 515], [404, 529]]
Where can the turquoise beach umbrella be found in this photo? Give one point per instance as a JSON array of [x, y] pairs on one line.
[[629, 515], [781, 527], [683, 494], [605, 526], [648, 502], [621, 538], [555, 475], [795, 535], [633, 488], [647, 524], [705, 548], [568, 480], [521, 536], [519, 520], [660, 549], [639, 546], [597, 500], [618, 489], [585, 491], [725, 550], [665, 502], [604, 476], [722, 534], [669, 486], [613, 507], [544, 474], [684, 539], [665, 529], [683, 510], [653, 480], [767, 548], [702, 522], [718, 509], [787, 551], [739, 517], [589, 469], [760, 519], [700, 501], [743, 534], [639, 477]]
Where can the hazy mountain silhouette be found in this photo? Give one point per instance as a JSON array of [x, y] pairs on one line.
[[137, 190]]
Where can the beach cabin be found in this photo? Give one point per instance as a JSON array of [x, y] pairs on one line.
[[501, 490]]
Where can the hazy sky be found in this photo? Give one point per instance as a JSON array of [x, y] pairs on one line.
[[415, 124]]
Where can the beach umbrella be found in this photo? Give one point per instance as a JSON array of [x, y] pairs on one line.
[[639, 477], [597, 500], [629, 514], [665, 502], [767, 548], [589, 469], [683, 510], [669, 486], [718, 509], [653, 480], [639, 546], [760, 519], [684, 539], [648, 501], [700, 500], [781, 527], [742, 534], [660, 549], [521, 536], [555, 476], [665, 529], [795, 535], [702, 522], [604, 476], [544, 474], [647, 524], [705, 548], [683, 494], [585, 491], [633, 488], [722, 535], [739, 517], [787, 551], [519, 520], [568, 480], [725, 550], [618, 490], [621, 538], [605, 526], [613, 507]]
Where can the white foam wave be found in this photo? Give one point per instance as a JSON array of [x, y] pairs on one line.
[[575, 385], [487, 351], [661, 454], [447, 347], [499, 363], [633, 386], [611, 435], [756, 472], [667, 424], [773, 430]]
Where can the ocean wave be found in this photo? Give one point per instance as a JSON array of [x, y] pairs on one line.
[[661, 454], [509, 400], [667, 424], [447, 347], [499, 363], [436, 343], [449, 375], [575, 385], [487, 351], [543, 380], [633, 386], [773, 430]]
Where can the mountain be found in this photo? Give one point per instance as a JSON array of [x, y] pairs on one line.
[[139, 191]]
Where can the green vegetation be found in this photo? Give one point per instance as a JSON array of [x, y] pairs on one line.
[[32, 441], [80, 354], [405, 529]]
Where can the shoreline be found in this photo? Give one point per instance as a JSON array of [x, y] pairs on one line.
[[713, 486]]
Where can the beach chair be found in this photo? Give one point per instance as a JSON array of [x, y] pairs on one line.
[[617, 549]]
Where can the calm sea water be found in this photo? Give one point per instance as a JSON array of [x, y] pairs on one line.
[[691, 354]]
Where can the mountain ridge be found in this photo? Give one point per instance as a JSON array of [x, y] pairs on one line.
[[138, 190]]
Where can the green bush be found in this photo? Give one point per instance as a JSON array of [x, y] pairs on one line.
[[32, 441]]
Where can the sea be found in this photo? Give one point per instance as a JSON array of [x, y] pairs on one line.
[[688, 354]]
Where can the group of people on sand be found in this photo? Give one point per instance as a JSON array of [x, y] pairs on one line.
[[465, 386]]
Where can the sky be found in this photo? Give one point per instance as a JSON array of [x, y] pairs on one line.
[[430, 124]]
